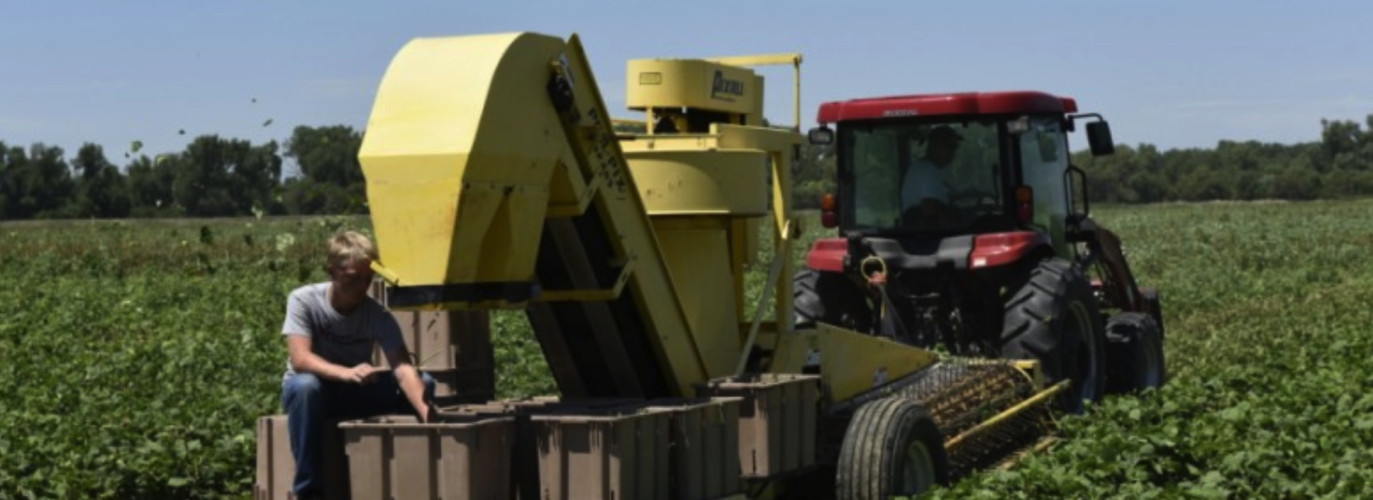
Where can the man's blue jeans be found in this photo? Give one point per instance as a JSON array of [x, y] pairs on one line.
[[310, 402]]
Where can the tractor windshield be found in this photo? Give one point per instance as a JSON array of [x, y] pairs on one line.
[[940, 177]]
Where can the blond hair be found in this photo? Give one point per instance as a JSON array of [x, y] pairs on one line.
[[347, 247]]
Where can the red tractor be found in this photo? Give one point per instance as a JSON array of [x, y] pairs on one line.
[[963, 226]]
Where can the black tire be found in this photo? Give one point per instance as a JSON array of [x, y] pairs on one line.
[[1134, 344], [822, 297], [891, 447], [1054, 318]]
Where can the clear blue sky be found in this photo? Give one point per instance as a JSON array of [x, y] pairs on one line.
[[1171, 73]]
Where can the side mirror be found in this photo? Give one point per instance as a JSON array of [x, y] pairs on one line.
[[1099, 137], [821, 135]]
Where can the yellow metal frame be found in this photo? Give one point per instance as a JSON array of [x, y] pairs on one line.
[[695, 84], [850, 363], [787, 59], [466, 158], [591, 295], [436, 160], [1042, 397]]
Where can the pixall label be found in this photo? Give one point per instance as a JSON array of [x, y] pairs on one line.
[[725, 89]]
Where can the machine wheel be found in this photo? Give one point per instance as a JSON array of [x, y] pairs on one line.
[[1054, 318], [892, 447], [1134, 344], [829, 298]]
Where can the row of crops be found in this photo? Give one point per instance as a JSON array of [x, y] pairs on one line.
[[1269, 311], [135, 357]]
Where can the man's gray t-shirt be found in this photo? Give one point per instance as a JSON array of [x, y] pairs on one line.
[[344, 340], [923, 180]]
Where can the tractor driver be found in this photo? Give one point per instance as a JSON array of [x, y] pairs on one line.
[[330, 331], [924, 187]]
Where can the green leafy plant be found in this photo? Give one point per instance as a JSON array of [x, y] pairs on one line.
[[135, 364]]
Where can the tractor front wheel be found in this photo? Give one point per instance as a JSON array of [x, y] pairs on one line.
[[891, 448], [1054, 318]]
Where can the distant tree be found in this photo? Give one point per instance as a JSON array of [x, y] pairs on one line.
[[813, 175], [327, 154], [332, 180], [1347, 183], [303, 196], [1299, 181], [217, 177], [150, 188], [256, 177], [37, 184], [1340, 138], [220, 177], [629, 127], [1345, 146], [101, 190], [201, 184]]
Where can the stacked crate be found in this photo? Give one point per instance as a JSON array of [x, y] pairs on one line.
[[777, 420], [681, 449], [703, 454], [276, 468], [457, 458], [453, 347], [611, 453], [524, 457]]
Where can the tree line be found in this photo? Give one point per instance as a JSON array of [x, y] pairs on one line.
[[217, 176], [1339, 165], [212, 177]]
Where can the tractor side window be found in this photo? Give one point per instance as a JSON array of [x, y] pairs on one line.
[[1044, 159]]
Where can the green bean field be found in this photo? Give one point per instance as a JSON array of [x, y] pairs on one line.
[[135, 356]]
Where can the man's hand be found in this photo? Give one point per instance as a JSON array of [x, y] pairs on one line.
[[412, 385], [360, 374], [431, 414]]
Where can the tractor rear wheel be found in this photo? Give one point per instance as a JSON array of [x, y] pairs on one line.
[[1054, 318], [822, 297], [891, 448], [1134, 344]]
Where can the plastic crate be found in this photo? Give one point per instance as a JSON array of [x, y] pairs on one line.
[[704, 450], [619, 453], [463, 386], [276, 467], [524, 453], [504, 407], [396, 457], [777, 420]]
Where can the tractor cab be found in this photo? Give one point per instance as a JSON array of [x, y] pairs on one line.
[[961, 223], [955, 164]]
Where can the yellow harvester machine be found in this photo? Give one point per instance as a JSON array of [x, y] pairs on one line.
[[496, 179]]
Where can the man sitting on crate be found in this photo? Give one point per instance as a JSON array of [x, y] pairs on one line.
[[330, 329]]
